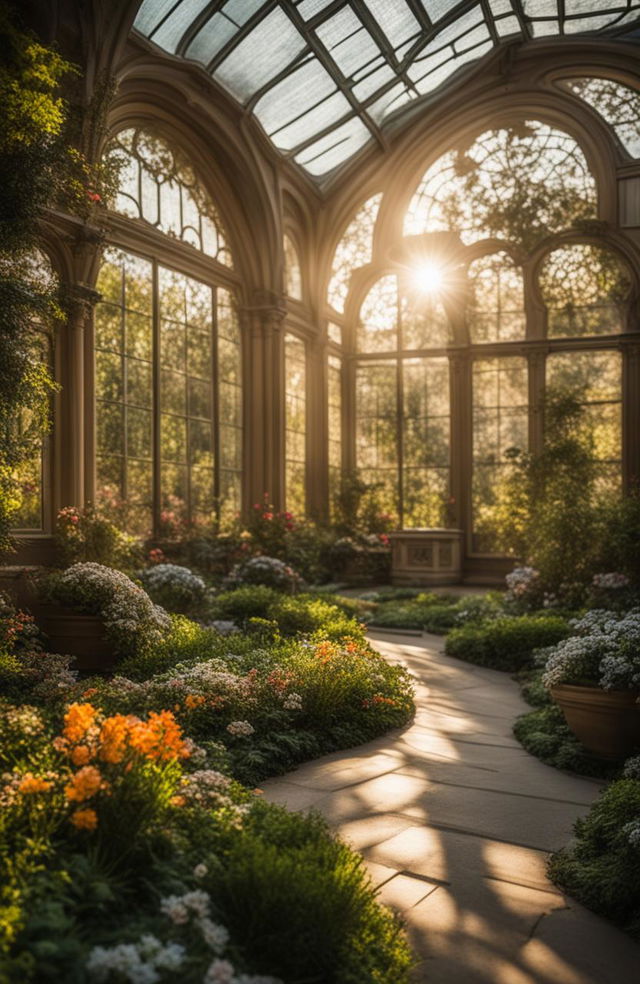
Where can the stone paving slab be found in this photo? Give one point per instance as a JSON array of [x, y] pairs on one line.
[[454, 820]]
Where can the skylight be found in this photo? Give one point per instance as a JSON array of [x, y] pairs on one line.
[[322, 79]]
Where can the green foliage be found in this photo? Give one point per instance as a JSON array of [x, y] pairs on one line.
[[601, 868], [544, 733], [84, 535], [301, 901], [292, 615], [506, 643], [434, 613]]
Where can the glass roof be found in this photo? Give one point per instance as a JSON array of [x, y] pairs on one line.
[[323, 76]]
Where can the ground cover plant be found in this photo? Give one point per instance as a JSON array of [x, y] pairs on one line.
[[431, 612], [129, 849], [601, 867]]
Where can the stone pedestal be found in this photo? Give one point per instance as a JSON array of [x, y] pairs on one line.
[[426, 556]]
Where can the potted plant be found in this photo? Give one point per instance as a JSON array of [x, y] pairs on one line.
[[594, 677], [98, 614]]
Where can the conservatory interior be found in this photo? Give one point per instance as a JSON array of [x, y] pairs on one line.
[[319, 491]]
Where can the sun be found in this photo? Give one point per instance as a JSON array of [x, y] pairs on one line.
[[428, 277]]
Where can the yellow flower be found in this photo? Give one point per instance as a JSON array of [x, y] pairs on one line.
[[33, 784], [84, 819]]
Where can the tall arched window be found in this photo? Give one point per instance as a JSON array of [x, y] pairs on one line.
[[168, 355], [292, 271], [353, 250]]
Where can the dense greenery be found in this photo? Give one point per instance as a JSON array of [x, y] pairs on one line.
[[432, 612], [508, 642], [122, 818], [601, 868], [544, 733]]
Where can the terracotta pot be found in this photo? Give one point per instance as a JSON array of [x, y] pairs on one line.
[[80, 636], [607, 722]]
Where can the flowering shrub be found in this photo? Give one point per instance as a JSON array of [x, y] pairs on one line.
[[605, 652], [85, 535], [270, 571], [132, 621], [175, 588]]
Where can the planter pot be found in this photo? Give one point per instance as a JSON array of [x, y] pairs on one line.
[[607, 722], [80, 636]]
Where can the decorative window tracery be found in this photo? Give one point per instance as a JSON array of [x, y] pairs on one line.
[[585, 288], [496, 312], [619, 106], [519, 184], [159, 185]]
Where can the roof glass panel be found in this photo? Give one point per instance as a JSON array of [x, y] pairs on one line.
[[303, 66]]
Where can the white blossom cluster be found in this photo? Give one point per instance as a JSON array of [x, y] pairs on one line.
[[240, 728], [138, 963], [127, 610], [632, 768], [23, 721], [521, 580], [604, 651], [631, 831], [173, 585], [611, 581], [292, 702], [264, 570], [206, 787]]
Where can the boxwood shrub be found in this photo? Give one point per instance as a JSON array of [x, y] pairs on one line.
[[506, 643]]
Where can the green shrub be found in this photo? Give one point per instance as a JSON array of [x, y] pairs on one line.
[[244, 603], [601, 868], [301, 903], [506, 643], [434, 613]]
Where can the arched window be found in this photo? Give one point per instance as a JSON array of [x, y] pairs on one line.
[[585, 289], [353, 250], [617, 104], [518, 183], [292, 271], [168, 357], [159, 185]]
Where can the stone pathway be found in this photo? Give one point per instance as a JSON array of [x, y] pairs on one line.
[[455, 821]]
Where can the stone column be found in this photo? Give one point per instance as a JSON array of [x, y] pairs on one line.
[[264, 322]]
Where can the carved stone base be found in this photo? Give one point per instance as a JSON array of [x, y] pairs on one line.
[[426, 556]]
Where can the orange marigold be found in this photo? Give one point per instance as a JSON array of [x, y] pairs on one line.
[[86, 782], [78, 720], [33, 784], [84, 819]]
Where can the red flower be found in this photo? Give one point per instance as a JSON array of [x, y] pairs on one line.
[[93, 196]]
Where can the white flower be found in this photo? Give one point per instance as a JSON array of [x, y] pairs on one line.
[[200, 870], [219, 972], [293, 702], [611, 581], [173, 907], [198, 902], [241, 728], [632, 833], [214, 935]]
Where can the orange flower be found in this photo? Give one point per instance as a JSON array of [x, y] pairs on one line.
[[78, 720], [81, 755], [114, 734], [33, 784], [90, 692], [160, 737], [191, 701], [86, 782], [84, 819], [177, 801]]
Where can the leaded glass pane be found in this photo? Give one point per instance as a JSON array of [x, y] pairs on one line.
[[293, 275], [500, 425], [617, 104], [585, 289], [495, 312], [425, 442], [378, 323], [295, 423], [334, 419], [377, 430]]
